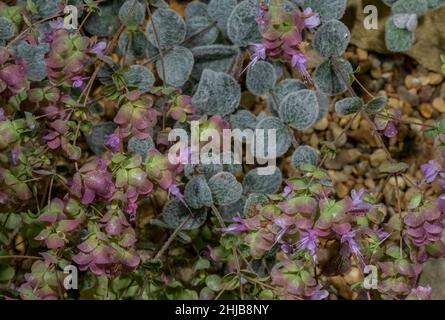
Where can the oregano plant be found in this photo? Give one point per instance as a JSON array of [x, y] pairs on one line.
[[126, 148]]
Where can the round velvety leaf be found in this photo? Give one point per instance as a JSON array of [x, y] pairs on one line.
[[231, 166], [7, 29], [331, 39], [397, 40], [256, 182], [178, 65], [34, 55], [242, 27], [406, 21], [225, 188], [195, 9], [348, 105], [133, 44], [282, 135], [220, 10], [101, 23], [304, 155], [376, 104], [419, 7], [215, 57], [139, 77], [332, 9], [137, 15], [197, 193], [217, 93], [281, 90], [252, 202], [299, 109], [232, 210], [170, 27], [97, 137], [175, 212], [140, 146], [389, 3], [198, 37], [326, 78], [261, 78], [46, 8], [243, 119], [323, 104], [434, 4], [207, 170]]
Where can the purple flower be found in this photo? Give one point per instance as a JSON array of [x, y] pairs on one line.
[[174, 190], [2, 114], [261, 16], [311, 19], [390, 130], [287, 191], [281, 223], [352, 246], [430, 171], [308, 242], [56, 24], [420, 293], [239, 226], [357, 201], [98, 48], [113, 141], [78, 81], [299, 60], [259, 53]]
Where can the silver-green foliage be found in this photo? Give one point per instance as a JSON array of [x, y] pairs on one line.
[[299, 109], [175, 212], [225, 188], [217, 93]]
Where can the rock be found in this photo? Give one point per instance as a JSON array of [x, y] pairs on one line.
[[408, 97], [412, 82], [435, 78], [433, 275], [439, 104], [377, 157], [353, 276], [322, 124], [362, 55], [426, 110], [430, 38], [342, 190], [394, 103]]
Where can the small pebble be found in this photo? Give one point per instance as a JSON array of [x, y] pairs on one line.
[[439, 104], [426, 110]]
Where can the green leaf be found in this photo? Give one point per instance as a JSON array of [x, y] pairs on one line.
[[415, 201], [376, 104], [348, 106], [389, 167], [201, 264], [214, 282]]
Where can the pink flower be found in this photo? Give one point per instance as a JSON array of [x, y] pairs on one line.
[[2, 114], [239, 226], [56, 24], [113, 141], [311, 19], [98, 48], [174, 190], [299, 60], [78, 81], [93, 180]]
